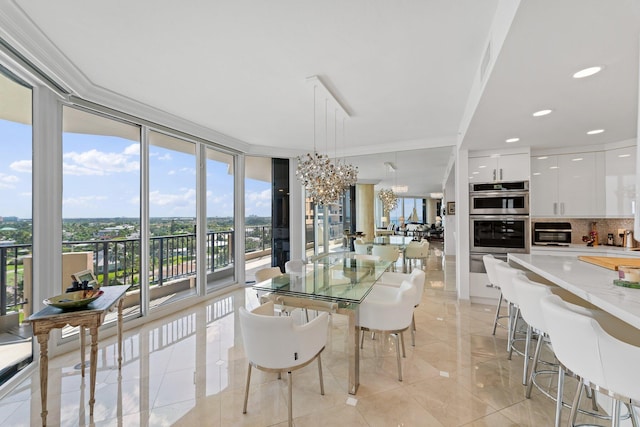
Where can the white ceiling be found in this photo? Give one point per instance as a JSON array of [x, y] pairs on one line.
[[407, 71]]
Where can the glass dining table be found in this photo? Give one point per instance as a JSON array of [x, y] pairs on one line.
[[336, 283]]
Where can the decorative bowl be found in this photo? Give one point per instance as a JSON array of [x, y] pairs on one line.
[[77, 299]]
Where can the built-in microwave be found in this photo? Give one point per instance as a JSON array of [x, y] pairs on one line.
[[552, 233], [502, 198]]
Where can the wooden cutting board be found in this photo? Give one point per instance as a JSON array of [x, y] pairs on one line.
[[611, 263]]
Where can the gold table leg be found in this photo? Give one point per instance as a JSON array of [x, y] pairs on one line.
[[43, 340], [82, 346], [93, 367]]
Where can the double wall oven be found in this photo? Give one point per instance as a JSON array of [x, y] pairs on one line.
[[498, 221]]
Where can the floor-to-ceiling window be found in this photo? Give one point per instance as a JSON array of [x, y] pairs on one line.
[[16, 227], [113, 170], [257, 199], [101, 201], [172, 218], [220, 218]]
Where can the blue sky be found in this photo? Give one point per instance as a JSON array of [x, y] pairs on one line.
[[101, 179]]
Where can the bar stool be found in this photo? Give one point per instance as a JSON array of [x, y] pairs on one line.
[[505, 275], [489, 265], [600, 349]]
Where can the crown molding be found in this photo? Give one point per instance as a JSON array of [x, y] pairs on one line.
[[19, 31]]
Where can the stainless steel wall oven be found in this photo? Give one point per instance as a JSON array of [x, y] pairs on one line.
[[498, 221]]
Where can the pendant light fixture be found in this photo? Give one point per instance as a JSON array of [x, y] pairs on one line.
[[325, 181]]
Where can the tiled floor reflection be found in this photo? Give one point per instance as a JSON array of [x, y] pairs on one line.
[[189, 370]]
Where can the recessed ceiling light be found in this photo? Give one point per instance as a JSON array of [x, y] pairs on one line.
[[475, 172], [510, 140], [537, 173], [595, 131], [542, 113], [553, 167], [587, 72], [577, 159], [495, 155], [624, 155], [482, 166], [543, 157]]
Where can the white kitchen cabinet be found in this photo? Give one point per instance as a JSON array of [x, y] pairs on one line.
[[509, 167], [567, 185], [620, 182]]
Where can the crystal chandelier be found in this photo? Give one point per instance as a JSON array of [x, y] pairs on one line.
[[389, 199], [325, 181]]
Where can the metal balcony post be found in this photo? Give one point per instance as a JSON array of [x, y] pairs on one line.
[[3, 281]]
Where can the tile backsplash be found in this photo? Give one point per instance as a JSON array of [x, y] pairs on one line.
[[581, 227]]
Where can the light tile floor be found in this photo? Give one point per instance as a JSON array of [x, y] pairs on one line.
[[189, 369]]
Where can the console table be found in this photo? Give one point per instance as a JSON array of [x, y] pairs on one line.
[[90, 317]]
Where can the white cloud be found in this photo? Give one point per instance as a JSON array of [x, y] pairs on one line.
[[94, 162], [8, 181], [258, 197], [185, 198], [82, 200], [21, 166], [132, 150]]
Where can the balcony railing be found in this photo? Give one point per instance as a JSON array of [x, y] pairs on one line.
[[116, 261]]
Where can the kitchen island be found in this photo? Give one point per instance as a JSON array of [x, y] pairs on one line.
[[588, 281]]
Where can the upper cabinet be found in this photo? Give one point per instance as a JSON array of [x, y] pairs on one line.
[[584, 185], [568, 185], [509, 167], [620, 182]]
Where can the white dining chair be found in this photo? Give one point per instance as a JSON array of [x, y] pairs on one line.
[[417, 251], [417, 278], [277, 344], [391, 312], [366, 257], [389, 253], [294, 266], [267, 273], [360, 247]]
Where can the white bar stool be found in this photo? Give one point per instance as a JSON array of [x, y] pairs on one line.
[[531, 293], [602, 359], [489, 265], [506, 274]]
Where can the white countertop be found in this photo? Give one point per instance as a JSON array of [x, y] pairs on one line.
[[588, 281], [610, 250]]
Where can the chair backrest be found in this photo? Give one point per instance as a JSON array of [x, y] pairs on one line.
[[505, 275], [391, 315], [620, 355], [386, 252], [417, 278], [267, 273], [489, 264], [275, 342], [417, 249], [530, 294], [294, 266], [360, 248], [366, 257], [574, 341]]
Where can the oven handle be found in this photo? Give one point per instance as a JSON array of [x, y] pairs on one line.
[[509, 217], [497, 193]]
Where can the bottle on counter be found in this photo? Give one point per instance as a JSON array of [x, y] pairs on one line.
[[594, 234]]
